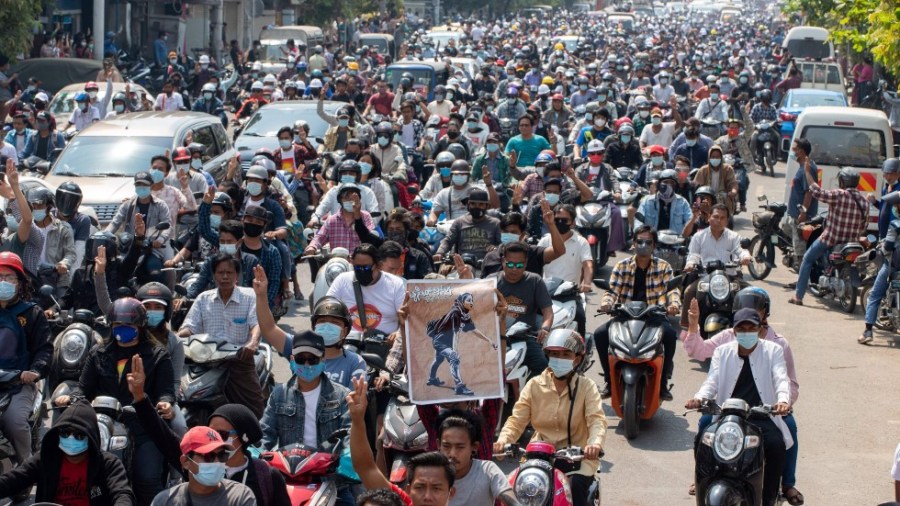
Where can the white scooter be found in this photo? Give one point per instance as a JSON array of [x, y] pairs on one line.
[[332, 264]]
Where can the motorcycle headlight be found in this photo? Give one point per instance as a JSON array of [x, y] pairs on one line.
[[72, 346], [532, 487], [728, 441], [104, 437], [332, 272], [719, 287], [199, 351], [117, 443]]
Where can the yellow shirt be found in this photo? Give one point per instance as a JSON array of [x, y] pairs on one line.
[[548, 412]]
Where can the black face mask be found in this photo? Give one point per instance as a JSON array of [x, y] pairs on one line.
[[398, 237], [364, 277], [253, 230], [476, 212], [452, 134], [563, 225]]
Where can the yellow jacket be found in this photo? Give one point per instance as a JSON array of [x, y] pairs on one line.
[[548, 412]]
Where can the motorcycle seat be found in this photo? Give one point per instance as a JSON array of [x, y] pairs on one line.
[[777, 207]]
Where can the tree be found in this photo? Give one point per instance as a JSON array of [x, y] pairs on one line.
[[18, 19]]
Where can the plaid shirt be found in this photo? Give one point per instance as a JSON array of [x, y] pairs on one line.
[[232, 320], [339, 234], [659, 273], [762, 112], [531, 186], [848, 214]]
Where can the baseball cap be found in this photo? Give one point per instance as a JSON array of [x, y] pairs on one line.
[[746, 315], [258, 212], [493, 137], [202, 440], [42, 97], [309, 342], [656, 112], [656, 149], [143, 178], [596, 146]]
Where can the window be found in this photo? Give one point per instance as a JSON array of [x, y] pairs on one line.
[[221, 138], [846, 146], [204, 136]]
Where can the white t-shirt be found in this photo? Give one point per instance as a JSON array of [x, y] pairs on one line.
[[173, 103], [382, 300], [568, 266], [441, 109], [311, 402], [895, 470], [483, 484], [664, 138], [9, 151]]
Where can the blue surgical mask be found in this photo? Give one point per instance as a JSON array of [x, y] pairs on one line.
[[492, 148], [383, 141], [125, 334], [214, 221], [39, 214], [656, 160], [157, 175], [715, 162], [625, 139], [284, 143], [196, 164], [228, 249], [330, 332], [365, 167], [307, 372], [552, 198], [348, 206], [348, 179], [459, 179], [507, 237], [747, 340], [142, 191], [254, 188], [7, 290], [209, 474], [72, 446], [561, 367], [691, 142], [656, 120], [583, 87], [445, 171], [155, 317], [601, 98], [343, 122]]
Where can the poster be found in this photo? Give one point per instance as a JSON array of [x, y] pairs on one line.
[[453, 337]]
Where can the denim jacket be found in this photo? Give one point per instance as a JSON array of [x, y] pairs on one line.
[[679, 213], [282, 422], [60, 247]]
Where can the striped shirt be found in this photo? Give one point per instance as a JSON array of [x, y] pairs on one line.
[[232, 320], [659, 273]]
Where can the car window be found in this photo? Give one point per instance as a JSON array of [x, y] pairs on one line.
[[834, 77], [221, 138], [846, 146], [205, 136], [122, 156]]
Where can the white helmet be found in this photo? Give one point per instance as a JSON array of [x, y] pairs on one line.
[[204, 59], [269, 79], [596, 146], [209, 87], [256, 86], [543, 89]]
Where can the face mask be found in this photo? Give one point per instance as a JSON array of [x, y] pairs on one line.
[[551, 198], [656, 160], [72, 446], [383, 141], [229, 249], [715, 162], [173, 61], [600, 123], [449, 96], [209, 474], [254, 188], [142, 191], [284, 143], [157, 175], [663, 81], [155, 317], [439, 98], [453, 134], [666, 192], [445, 171], [643, 249], [714, 98], [366, 168], [476, 212], [459, 179], [330, 332], [792, 155], [196, 164], [92, 94], [397, 137], [307, 373], [125, 334], [43, 125], [343, 122], [7, 290], [747, 340], [204, 66], [595, 159], [471, 125], [625, 139], [365, 278], [492, 148], [253, 229], [507, 237], [601, 98], [398, 237], [119, 108], [348, 206], [39, 215], [644, 114], [348, 179], [744, 80], [561, 367], [84, 107], [183, 168], [563, 226], [583, 87], [691, 142]]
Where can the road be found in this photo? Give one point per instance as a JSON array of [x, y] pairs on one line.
[[841, 385]]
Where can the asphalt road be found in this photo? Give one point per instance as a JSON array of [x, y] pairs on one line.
[[847, 414]]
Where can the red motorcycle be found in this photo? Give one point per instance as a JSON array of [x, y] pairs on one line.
[[308, 471]]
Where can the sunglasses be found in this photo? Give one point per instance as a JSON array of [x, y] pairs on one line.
[[209, 458], [227, 434], [362, 268], [515, 265], [69, 433], [307, 360]]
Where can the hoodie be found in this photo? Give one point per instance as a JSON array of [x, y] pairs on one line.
[[106, 477], [725, 182]]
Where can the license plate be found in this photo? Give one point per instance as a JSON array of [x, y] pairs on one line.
[[895, 284], [774, 239]]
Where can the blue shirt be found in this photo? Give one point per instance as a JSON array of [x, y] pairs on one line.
[[679, 212], [527, 150], [160, 52], [340, 370], [885, 214], [799, 186]]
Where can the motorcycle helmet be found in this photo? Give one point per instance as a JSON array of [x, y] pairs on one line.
[[764, 95], [706, 190], [460, 167], [565, 339], [91, 85], [12, 261], [196, 147], [224, 200], [40, 196], [258, 172], [81, 97], [349, 166], [457, 150], [543, 159], [848, 178], [264, 162], [331, 306], [98, 239], [119, 97], [264, 152], [156, 292], [348, 188], [384, 129], [444, 159], [68, 198], [210, 87], [182, 155], [256, 86], [128, 311], [752, 297], [669, 174], [891, 166]]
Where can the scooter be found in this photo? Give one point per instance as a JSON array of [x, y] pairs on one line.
[[565, 296], [204, 376], [769, 236], [592, 221], [719, 282], [115, 437], [308, 472], [729, 460], [767, 145], [516, 372], [540, 479], [333, 263], [404, 433], [10, 385], [839, 279], [671, 248]]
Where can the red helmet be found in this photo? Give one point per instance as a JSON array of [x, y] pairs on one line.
[[12, 261], [181, 155], [91, 85]]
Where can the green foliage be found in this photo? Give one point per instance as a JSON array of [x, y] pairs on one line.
[[18, 19]]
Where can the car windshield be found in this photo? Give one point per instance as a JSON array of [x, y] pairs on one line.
[[272, 52], [266, 122], [122, 156], [801, 100], [421, 77], [846, 146]]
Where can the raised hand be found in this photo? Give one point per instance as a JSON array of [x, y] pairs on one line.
[[140, 228], [136, 378], [260, 281], [356, 399], [100, 260], [694, 315]]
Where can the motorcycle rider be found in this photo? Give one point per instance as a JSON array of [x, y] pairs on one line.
[[890, 171], [441, 178], [104, 372], [720, 177], [47, 140], [209, 103], [762, 111], [558, 114], [661, 132], [597, 129], [753, 370], [542, 405], [153, 210], [84, 114], [338, 229], [622, 149], [713, 107], [736, 144], [848, 214], [20, 135], [450, 200], [641, 278], [474, 233], [576, 264], [666, 209], [71, 467], [494, 159], [389, 153], [68, 198], [888, 266], [705, 198]]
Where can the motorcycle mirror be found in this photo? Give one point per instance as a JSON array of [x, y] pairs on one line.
[[163, 226], [46, 291], [639, 216], [338, 435], [602, 283], [762, 198], [745, 243], [55, 153], [374, 361], [181, 290], [674, 283]]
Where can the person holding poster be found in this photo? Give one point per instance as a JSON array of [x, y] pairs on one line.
[[444, 333]]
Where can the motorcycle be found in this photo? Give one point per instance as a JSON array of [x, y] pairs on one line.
[[333, 263], [515, 370], [769, 236], [10, 384], [404, 433], [592, 220], [565, 295], [671, 248], [115, 437], [839, 279], [204, 375], [729, 460], [767, 145], [719, 282], [712, 128], [540, 479], [308, 472]]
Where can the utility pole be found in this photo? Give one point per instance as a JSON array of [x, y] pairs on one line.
[[99, 32]]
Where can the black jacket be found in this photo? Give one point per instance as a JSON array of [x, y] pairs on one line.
[[106, 475], [101, 377]]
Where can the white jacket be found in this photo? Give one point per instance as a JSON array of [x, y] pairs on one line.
[[769, 374]]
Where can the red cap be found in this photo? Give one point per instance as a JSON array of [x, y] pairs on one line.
[[181, 154], [201, 440], [656, 149]]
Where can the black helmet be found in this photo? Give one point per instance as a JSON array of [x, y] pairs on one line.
[[891, 166], [349, 166], [444, 159], [460, 166], [384, 128], [348, 188], [40, 196], [224, 200], [668, 174], [98, 239], [764, 95], [752, 297], [706, 190], [129, 311], [848, 177], [331, 306], [407, 75], [457, 150], [156, 292], [118, 97], [68, 198]]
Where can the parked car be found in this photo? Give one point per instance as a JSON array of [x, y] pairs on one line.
[[798, 99], [63, 103], [104, 158]]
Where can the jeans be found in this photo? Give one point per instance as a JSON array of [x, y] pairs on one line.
[[743, 185], [878, 291], [580, 317], [535, 360], [147, 464], [792, 228], [15, 422], [670, 339], [789, 475], [813, 254]]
